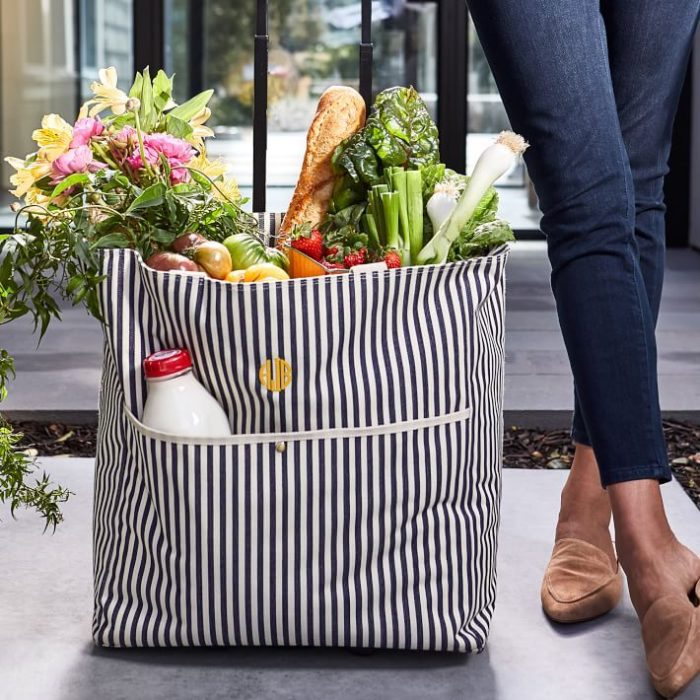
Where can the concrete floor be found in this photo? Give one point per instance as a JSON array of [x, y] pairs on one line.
[[60, 379], [46, 652]]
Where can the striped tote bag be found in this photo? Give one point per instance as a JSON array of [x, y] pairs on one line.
[[356, 503]]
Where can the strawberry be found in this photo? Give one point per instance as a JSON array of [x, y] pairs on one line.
[[309, 241], [392, 259], [330, 252], [356, 257], [333, 265]]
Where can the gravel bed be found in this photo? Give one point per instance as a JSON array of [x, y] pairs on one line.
[[523, 449]]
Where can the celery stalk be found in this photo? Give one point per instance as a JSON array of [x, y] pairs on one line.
[[414, 196], [390, 207], [398, 177], [370, 226]]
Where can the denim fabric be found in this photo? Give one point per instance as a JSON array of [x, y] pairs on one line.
[[594, 87]]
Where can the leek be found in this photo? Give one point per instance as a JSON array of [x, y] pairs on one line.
[[494, 162]]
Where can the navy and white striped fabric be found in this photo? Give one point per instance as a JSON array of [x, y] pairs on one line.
[[356, 507]]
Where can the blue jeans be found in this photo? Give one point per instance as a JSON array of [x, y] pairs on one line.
[[594, 87]]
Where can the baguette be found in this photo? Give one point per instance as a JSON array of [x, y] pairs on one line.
[[341, 113]]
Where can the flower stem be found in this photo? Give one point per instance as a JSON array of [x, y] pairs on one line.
[[142, 150]]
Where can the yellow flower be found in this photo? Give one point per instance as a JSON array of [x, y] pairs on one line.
[[53, 138], [27, 174], [199, 131], [107, 94], [213, 169], [227, 191]]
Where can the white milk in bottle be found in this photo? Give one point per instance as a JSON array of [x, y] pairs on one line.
[[177, 404]]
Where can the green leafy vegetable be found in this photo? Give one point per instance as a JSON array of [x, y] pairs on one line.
[[483, 238], [401, 131]]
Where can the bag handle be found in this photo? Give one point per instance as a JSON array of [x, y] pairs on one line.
[[261, 65], [366, 53]]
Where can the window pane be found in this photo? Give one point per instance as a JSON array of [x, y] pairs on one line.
[[106, 40], [38, 67], [314, 44]]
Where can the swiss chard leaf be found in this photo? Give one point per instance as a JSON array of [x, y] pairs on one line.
[[484, 238], [401, 130]]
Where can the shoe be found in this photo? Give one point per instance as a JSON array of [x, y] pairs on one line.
[[579, 584], [671, 634]]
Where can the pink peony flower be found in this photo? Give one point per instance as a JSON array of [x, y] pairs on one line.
[[124, 134], [76, 160], [177, 152], [84, 130]]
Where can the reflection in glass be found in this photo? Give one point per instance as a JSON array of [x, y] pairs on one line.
[[314, 44], [39, 66]]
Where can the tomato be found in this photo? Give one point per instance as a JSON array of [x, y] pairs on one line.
[[235, 276], [186, 242], [172, 262], [247, 250], [214, 258], [264, 272]]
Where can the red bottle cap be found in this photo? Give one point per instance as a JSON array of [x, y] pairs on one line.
[[166, 362]]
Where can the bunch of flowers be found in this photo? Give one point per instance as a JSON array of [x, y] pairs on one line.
[[130, 171]]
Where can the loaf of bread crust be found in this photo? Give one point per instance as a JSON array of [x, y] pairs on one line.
[[341, 113]]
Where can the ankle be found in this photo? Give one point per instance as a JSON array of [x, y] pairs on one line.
[[582, 504], [641, 550]]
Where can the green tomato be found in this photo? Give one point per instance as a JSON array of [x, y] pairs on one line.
[[278, 257], [247, 250]]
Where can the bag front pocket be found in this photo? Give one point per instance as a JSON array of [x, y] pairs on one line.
[[346, 537]]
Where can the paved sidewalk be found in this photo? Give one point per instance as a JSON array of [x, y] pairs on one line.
[[60, 379], [46, 651]]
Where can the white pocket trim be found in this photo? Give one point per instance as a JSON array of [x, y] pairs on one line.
[[301, 436]]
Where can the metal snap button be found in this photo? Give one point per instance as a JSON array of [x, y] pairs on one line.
[[281, 447]]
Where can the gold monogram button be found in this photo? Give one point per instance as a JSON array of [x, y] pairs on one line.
[[276, 374]]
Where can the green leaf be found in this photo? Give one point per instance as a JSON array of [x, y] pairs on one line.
[[200, 179], [111, 240], [162, 90], [151, 197], [147, 112], [162, 236], [485, 237], [70, 181], [137, 86], [177, 127], [192, 107], [401, 130]]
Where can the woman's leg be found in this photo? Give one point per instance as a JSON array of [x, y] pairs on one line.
[[551, 63], [655, 38]]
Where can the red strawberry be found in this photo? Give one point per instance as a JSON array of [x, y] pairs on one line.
[[309, 242], [357, 257], [330, 252], [392, 259], [333, 265]]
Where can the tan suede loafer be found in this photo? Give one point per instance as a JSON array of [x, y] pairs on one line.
[[671, 634], [580, 583]]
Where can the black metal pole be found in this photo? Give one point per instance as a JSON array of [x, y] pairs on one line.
[[453, 68], [366, 53], [149, 35], [195, 54], [262, 46]]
